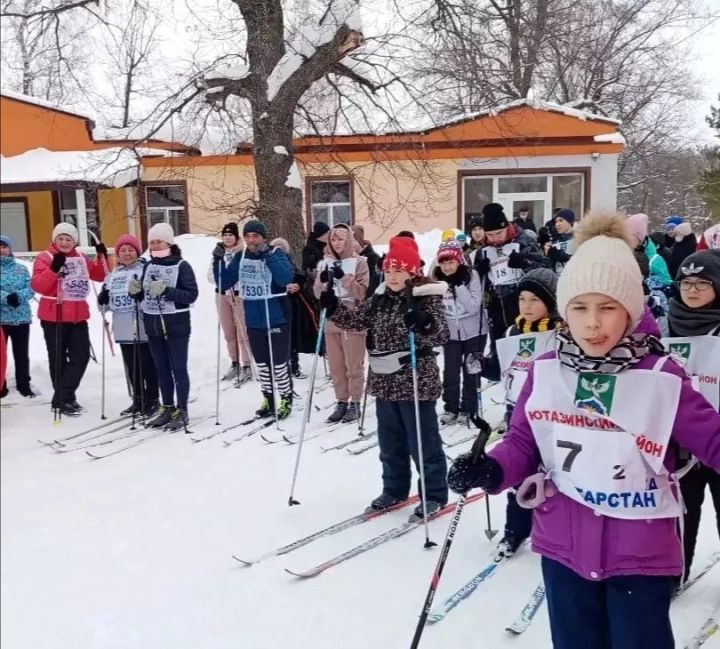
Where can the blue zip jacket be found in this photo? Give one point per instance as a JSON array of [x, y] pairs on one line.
[[279, 273], [14, 278]]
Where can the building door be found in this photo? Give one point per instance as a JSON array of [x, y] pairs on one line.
[[537, 203], [13, 223]]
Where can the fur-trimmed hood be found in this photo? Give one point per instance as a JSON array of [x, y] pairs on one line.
[[423, 289]]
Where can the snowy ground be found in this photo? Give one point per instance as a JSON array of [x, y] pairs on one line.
[[134, 551]]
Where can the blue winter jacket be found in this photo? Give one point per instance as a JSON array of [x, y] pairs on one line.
[[280, 274], [14, 278]]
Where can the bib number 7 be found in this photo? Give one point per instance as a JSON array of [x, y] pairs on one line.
[[574, 449]]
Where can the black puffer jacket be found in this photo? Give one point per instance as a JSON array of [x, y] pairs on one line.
[[382, 316]]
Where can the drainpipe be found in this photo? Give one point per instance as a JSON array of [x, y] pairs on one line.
[[81, 217]]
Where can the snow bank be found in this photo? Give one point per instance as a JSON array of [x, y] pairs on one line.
[[610, 138]]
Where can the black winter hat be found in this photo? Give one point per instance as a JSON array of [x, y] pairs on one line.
[[494, 217], [231, 228], [704, 265], [256, 227], [320, 228], [566, 214], [476, 221], [543, 283]]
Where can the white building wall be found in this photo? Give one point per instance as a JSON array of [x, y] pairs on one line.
[[603, 167]]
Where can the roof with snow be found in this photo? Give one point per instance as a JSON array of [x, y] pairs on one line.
[[111, 167], [36, 101]]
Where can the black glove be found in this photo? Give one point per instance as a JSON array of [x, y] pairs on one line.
[[558, 256], [324, 276], [58, 262], [482, 264], [101, 249], [338, 272], [218, 251], [329, 302], [416, 320], [465, 474], [13, 299], [516, 260], [103, 297]]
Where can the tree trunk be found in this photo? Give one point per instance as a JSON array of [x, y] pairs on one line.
[[279, 206]]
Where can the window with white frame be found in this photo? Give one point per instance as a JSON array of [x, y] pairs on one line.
[[69, 212], [331, 201], [166, 204]]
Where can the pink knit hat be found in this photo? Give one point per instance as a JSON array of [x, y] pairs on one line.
[[128, 240], [638, 224]]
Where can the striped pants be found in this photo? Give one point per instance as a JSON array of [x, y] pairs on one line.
[[280, 336]]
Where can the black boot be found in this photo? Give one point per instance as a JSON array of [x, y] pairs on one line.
[[26, 391], [151, 406], [178, 421], [383, 501], [352, 413], [132, 409], [164, 415], [338, 413], [266, 407], [67, 410]]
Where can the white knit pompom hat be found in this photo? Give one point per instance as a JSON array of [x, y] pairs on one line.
[[162, 232], [603, 263], [66, 228]]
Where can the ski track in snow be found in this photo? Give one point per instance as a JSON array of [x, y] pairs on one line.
[[135, 551]]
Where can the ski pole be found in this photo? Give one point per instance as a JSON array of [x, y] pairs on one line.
[[308, 407], [106, 326], [217, 357], [421, 460], [361, 424], [266, 296], [59, 353], [102, 374], [489, 531], [435, 581], [136, 360]]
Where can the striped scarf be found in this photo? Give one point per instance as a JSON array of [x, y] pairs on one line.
[[629, 351], [544, 324]]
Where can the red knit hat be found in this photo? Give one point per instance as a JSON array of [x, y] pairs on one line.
[[451, 250], [128, 240], [403, 254]]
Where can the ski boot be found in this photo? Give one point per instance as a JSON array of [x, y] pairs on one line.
[[67, 410], [448, 418], [266, 407], [507, 547], [382, 502], [352, 413], [26, 391], [232, 373], [338, 413], [178, 421], [433, 506], [163, 417], [151, 407], [244, 375], [132, 409], [285, 407]]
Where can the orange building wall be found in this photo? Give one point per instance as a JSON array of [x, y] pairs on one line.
[[24, 127], [42, 220], [113, 217]]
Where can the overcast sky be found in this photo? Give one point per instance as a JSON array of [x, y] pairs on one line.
[[707, 47]]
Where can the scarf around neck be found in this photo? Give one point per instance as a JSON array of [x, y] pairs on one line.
[[685, 321], [544, 324], [628, 352]]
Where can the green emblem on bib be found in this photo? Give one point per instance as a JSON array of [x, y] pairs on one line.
[[594, 392], [527, 347], [680, 352]]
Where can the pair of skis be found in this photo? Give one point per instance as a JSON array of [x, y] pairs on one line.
[[361, 548]]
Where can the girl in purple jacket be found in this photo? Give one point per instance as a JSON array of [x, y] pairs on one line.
[[602, 419]]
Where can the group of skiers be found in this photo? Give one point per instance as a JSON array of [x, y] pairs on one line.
[[566, 318]]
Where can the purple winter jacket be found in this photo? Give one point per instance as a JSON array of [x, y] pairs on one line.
[[596, 546]]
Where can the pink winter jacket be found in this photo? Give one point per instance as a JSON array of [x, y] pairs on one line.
[[597, 546]]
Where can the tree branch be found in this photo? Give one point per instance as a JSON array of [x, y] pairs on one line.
[[49, 11]]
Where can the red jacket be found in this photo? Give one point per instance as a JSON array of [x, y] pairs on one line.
[[44, 282]]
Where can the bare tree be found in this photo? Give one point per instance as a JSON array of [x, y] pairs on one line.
[[10, 8], [276, 75]]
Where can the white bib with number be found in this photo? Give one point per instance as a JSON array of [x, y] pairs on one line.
[[500, 273], [76, 283], [699, 356], [255, 279], [120, 300], [348, 265], [454, 310], [167, 274], [516, 355], [603, 437]]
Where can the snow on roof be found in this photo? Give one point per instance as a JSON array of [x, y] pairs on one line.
[[611, 138], [538, 104], [28, 99], [310, 37], [113, 167]]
